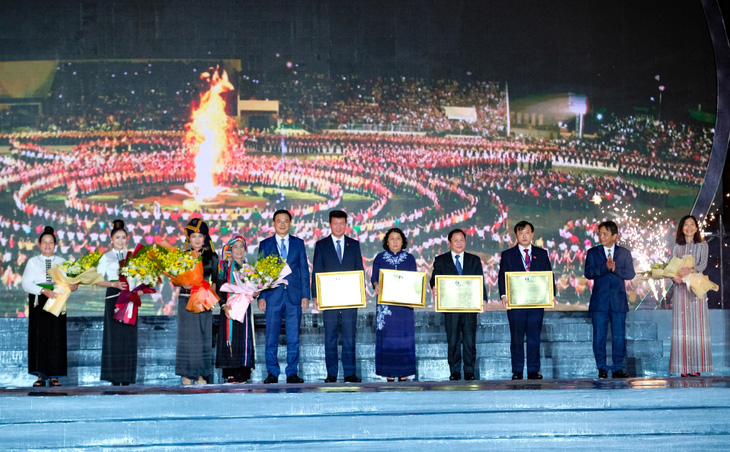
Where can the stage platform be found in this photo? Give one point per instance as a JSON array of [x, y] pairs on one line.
[[566, 350], [568, 414]]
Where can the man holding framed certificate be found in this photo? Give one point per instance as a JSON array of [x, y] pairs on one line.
[[339, 255], [523, 303], [461, 327]]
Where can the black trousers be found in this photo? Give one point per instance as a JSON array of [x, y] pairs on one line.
[[525, 322], [461, 335]]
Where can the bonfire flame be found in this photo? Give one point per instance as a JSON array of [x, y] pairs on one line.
[[209, 135]]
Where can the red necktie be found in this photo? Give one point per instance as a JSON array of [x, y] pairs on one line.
[[527, 260]]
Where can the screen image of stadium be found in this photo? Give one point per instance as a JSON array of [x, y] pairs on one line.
[[158, 141]]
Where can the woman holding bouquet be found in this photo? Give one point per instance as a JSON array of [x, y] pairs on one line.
[[46, 332], [235, 352], [691, 349], [119, 345], [395, 336], [194, 355]]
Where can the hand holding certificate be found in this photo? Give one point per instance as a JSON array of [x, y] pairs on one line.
[[459, 293], [402, 288], [341, 290], [529, 290]]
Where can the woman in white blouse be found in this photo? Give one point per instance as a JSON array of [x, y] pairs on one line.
[[119, 345], [46, 332]]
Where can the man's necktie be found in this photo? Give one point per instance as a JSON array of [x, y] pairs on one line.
[[458, 265], [609, 254], [284, 252], [339, 251], [527, 260]]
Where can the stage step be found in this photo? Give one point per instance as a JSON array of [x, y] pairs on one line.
[[566, 349], [346, 418]]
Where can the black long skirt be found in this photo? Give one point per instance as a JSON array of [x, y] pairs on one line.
[[47, 346], [119, 347], [235, 357], [194, 351]]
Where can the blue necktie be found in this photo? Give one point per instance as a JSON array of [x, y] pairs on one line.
[[339, 251], [284, 252], [458, 265]]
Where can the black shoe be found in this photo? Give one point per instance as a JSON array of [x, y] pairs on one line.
[[352, 379], [456, 376], [330, 379], [602, 373], [294, 379], [534, 376], [469, 376], [517, 376], [271, 379], [619, 374]]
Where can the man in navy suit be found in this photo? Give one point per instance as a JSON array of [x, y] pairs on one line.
[[609, 266], [338, 253], [287, 301], [461, 327], [524, 322]]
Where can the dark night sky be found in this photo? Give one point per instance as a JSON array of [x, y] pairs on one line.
[[610, 50]]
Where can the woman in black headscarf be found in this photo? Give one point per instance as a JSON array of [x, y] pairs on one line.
[[194, 356]]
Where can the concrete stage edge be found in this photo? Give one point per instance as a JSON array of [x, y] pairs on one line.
[[577, 414]]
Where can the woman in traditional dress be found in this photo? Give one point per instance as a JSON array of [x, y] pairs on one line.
[[46, 332], [194, 354], [395, 337], [235, 352], [691, 351], [119, 345]]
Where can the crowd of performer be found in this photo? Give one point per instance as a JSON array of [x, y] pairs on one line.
[[608, 265], [497, 174]]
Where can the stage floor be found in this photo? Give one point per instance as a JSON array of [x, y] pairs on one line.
[[572, 414]]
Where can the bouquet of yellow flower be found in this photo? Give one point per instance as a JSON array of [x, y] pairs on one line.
[[140, 274], [185, 268], [139, 268], [73, 269], [82, 271], [266, 273], [173, 261], [699, 284]]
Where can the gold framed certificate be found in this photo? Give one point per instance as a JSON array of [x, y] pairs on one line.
[[341, 290], [527, 290], [402, 288], [459, 293]]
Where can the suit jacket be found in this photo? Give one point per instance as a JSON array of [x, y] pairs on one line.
[[609, 287], [326, 261], [444, 265], [298, 286], [512, 261]]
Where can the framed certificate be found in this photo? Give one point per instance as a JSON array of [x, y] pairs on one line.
[[459, 293], [529, 290], [341, 290], [402, 288]]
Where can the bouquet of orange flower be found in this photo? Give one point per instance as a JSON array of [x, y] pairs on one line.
[[82, 271], [266, 273], [185, 268]]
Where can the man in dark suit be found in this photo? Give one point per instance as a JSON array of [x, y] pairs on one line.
[[287, 301], [461, 328], [609, 266], [338, 253], [524, 322]]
